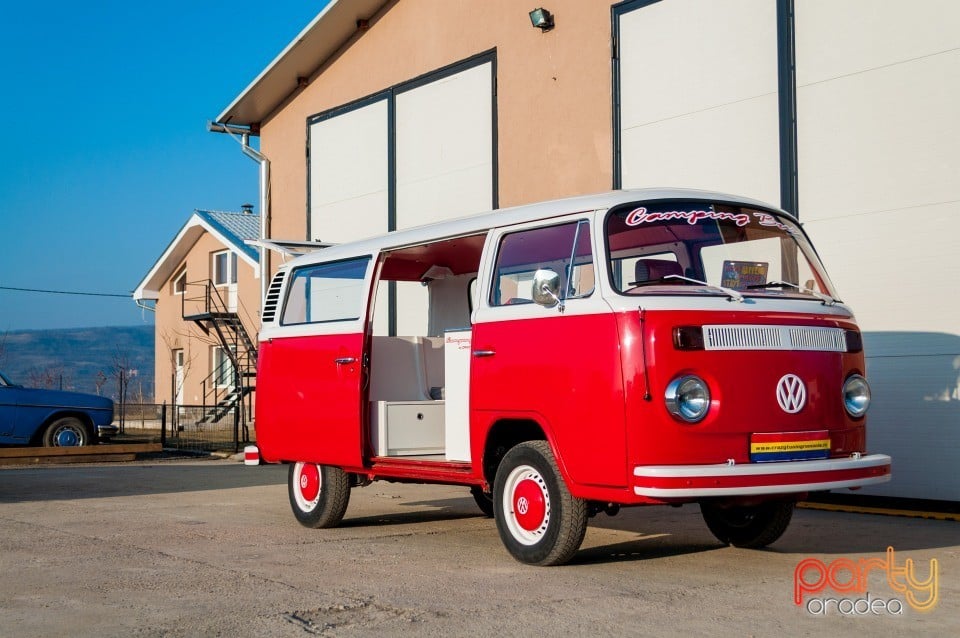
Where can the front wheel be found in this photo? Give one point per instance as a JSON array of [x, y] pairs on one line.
[[751, 527], [66, 432], [319, 494], [539, 522]]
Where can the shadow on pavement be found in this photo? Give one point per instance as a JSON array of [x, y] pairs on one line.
[[68, 482]]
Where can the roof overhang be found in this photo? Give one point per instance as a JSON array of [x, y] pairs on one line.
[[177, 251], [317, 43], [287, 248]]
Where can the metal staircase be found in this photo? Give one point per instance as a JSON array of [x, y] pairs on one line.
[[231, 384]]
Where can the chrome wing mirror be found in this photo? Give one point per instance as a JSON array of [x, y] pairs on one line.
[[546, 289]]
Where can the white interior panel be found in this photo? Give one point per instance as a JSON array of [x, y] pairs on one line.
[[698, 96], [348, 175], [444, 133], [413, 303]]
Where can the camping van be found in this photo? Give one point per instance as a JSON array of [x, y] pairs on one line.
[[562, 359]]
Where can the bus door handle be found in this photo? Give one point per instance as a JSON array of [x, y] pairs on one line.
[[345, 360], [484, 353]]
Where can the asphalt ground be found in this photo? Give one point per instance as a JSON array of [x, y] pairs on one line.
[[210, 548]]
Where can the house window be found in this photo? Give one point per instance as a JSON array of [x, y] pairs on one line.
[[224, 268], [222, 372], [180, 282]]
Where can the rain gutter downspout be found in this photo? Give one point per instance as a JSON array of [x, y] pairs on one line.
[[264, 163]]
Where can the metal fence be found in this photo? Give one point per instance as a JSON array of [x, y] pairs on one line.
[[184, 428]]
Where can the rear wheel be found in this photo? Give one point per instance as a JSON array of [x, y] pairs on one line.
[[319, 494], [483, 499], [66, 432], [539, 522], [752, 527]]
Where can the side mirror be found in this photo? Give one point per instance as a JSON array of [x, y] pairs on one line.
[[546, 288]]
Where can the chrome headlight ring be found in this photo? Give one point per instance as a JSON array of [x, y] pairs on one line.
[[688, 398], [856, 395]]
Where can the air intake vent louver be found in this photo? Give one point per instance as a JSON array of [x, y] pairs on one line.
[[273, 298], [747, 337]]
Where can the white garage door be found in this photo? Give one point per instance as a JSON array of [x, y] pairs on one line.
[[349, 179], [443, 141], [444, 136], [698, 96], [877, 138]]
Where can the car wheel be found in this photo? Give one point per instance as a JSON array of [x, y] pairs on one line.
[[539, 522], [483, 499], [750, 527], [66, 432], [319, 494]]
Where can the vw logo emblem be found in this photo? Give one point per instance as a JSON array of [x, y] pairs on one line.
[[523, 505], [303, 482], [791, 393]]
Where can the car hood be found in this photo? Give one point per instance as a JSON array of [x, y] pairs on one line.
[[38, 396]]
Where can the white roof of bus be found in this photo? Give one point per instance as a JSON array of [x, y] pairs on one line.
[[473, 224]]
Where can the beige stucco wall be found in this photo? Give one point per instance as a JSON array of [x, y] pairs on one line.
[[546, 81], [173, 332]]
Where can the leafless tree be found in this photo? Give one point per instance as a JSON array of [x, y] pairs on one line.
[[100, 381], [49, 378]]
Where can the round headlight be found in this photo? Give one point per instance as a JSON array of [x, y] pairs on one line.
[[688, 398], [856, 395]]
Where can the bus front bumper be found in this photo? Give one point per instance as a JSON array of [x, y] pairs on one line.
[[756, 479]]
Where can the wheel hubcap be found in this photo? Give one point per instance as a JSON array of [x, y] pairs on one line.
[[529, 505], [307, 489], [67, 438], [526, 503]]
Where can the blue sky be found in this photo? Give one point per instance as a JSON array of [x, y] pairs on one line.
[[105, 151]]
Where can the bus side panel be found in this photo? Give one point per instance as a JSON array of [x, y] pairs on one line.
[[563, 370], [308, 404]]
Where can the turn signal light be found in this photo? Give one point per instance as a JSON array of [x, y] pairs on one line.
[[854, 340], [688, 338]]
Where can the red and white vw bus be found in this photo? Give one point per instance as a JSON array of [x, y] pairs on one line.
[[569, 358]]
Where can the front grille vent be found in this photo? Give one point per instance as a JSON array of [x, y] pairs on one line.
[[754, 337]]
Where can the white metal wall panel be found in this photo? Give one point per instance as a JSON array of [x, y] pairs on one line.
[[348, 175], [698, 96], [445, 148], [879, 192]]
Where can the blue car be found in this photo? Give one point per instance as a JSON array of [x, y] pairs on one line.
[[52, 418]]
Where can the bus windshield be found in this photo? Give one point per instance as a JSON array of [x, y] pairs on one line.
[[701, 248]]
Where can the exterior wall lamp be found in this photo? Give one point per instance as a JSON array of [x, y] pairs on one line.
[[541, 19]]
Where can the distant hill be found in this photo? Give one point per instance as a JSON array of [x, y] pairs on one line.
[[81, 359]]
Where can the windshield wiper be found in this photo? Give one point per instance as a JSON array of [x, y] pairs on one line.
[[826, 299], [730, 292]]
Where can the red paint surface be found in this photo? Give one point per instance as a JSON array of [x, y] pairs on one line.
[[308, 406], [742, 391], [564, 373]]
